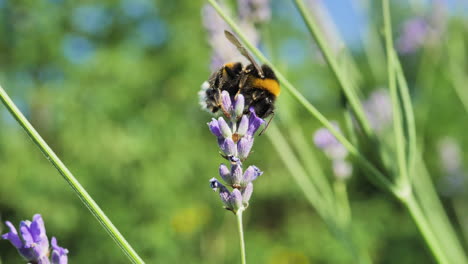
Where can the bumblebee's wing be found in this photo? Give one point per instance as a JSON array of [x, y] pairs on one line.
[[243, 51]]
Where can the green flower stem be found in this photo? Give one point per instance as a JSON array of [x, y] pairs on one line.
[[298, 172], [400, 141], [241, 235], [71, 180], [310, 162], [345, 82], [409, 114], [344, 210], [432, 206], [379, 179], [424, 226]]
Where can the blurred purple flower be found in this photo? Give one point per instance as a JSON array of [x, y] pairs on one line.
[[254, 11], [342, 169], [59, 254], [335, 151], [450, 155], [378, 109], [327, 142], [32, 242], [413, 35]]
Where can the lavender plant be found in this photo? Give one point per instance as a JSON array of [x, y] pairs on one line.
[[235, 137], [32, 242]]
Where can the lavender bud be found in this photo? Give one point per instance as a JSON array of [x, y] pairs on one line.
[[226, 101], [246, 194], [250, 174], [214, 128], [243, 126], [225, 129], [244, 145], [236, 174], [235, 200], [239, 105], [225, 174], [228, 147]]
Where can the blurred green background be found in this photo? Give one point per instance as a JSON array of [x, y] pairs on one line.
[[112, 87]]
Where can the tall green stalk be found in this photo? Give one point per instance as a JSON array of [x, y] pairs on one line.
[[241, 236], [345, 82], [71, 180], [405, 156]]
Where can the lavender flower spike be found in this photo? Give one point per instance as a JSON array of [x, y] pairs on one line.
[[59, 254], [32, 242]]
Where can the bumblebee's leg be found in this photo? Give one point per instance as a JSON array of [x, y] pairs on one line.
[[269, 121], [242, 81]]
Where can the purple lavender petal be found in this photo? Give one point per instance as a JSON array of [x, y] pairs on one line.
[[254, 122], [239, 105], [225, 129], [236, 174], [12, 235], [246, 194], [59, 254], [244, 146], [26, 233], [250, 174], [226, 101], [214, 128], [37, 229], [243, 126], [235, 200], [43, 260], [225, 174]]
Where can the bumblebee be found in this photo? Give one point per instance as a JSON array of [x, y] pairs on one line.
[[258, 85]]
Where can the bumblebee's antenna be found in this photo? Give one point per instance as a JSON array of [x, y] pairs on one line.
[[269, 121], [243, 51]]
